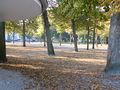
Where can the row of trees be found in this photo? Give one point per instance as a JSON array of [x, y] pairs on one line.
[[80, 15], [71, 16], [73, 19], [92, 15]]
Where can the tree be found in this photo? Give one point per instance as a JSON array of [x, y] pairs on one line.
[[2, 43], [48, 34], [88, 36], [70, 10], [24, 33], [74, 35], [65, 14], [12, 28], [113, 58], [32, 27]]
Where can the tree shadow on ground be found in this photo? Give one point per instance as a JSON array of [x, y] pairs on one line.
[[65, 71], [58, 74]]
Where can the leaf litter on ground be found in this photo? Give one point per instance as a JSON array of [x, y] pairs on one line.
[[65, 71]]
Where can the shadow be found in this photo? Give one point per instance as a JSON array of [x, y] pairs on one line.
[[56, 74], [84, 54], [65, 71]]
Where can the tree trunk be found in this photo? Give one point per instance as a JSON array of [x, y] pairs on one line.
[[24, 35], [44, 38], [88, 34], [96, 39], [113, 57], [93, 43], [2, 43], [70, 38], [13, 36], [74, 35], [48, 34], [60, 38], [106, 40]]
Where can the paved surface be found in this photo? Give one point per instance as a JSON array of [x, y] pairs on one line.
[[10, 80]]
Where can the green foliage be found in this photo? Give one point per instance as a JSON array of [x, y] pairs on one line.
[[40, 29], [84, 12], [10, 26], [32, 26]]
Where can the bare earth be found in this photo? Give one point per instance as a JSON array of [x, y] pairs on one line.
[[67, 70]]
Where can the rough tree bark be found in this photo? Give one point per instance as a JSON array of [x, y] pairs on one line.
[[48, 34], [113, 57], [2, 43], [74, 35]]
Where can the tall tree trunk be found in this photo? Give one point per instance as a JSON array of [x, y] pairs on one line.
[[113, 57], [13, 36], [88, 34], [48, 34], [98, 40], [44, 37], [60, 38], [106, 40], [2, 43], [74, 35], [24, 35], [70, 38], [93, 43]]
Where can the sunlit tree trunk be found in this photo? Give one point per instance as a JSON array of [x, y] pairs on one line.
[[24, 35], [113, 57], [2, 43], [74, 35], [48, 34]]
